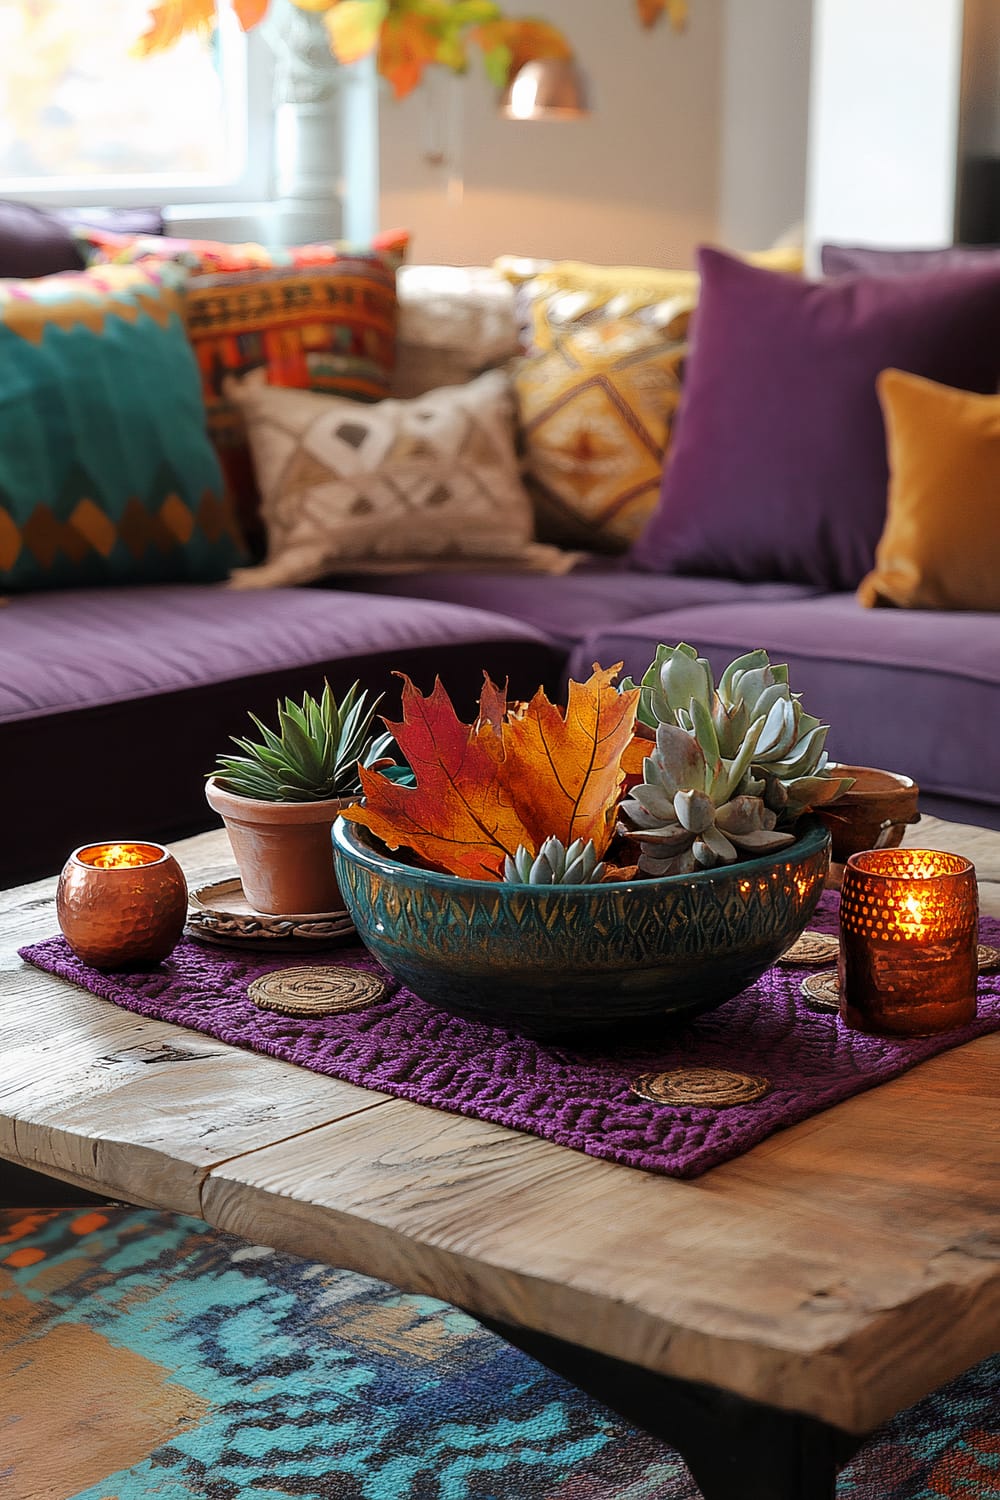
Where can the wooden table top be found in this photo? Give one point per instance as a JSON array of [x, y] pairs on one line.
[[843, 1268]]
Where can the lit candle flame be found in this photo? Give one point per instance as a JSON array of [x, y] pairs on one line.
[[119, 857], [911, 915]]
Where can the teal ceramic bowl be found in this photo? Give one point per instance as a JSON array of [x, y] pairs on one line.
[[567, 960]]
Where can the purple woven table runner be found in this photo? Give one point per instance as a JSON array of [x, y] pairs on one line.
[[580, 1098]]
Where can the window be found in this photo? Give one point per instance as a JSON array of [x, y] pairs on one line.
[[82, 119]]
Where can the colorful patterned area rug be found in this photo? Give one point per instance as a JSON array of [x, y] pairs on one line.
[[584, 1099], [147, 1357]]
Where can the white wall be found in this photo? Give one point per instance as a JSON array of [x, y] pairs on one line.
[[636, 182], [883, 140], [765, 109]]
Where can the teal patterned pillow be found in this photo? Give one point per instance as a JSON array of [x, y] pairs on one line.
[[106, 471]]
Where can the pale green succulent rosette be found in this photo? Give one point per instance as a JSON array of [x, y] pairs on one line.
[[787, 768], [555, 864], [688, 813]]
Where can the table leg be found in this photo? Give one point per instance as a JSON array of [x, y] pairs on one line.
[[736, 1449]]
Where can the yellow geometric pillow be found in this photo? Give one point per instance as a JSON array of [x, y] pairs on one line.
[[561, 295], [940, 546], [595, 414]]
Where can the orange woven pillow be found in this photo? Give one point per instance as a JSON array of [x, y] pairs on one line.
[[940, 547], [213, 257]]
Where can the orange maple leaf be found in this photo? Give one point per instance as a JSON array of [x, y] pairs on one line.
[[484, 789], [172, 19], [564, 771], [457, 818], [524, 41], [641, 745], [250, 13], [407, 44], [676, 11]]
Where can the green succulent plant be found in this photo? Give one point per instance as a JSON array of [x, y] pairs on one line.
[[314, 754], [554, 864], [788, 764], [689, 813]]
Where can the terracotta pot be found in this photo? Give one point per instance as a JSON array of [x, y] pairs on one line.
[[858, 819], [283, 851]]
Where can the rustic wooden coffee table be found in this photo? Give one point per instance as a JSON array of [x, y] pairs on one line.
[[762, 1319]]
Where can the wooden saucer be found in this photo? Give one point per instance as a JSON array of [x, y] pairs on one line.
[[220, 913]]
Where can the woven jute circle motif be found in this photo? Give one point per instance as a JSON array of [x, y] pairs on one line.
[[812, 948], [988, 958], [327, 991], [822, 991], [716, 1087]]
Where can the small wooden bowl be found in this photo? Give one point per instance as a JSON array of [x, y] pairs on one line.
[[873, 814]]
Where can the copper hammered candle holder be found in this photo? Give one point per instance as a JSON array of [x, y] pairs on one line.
[[121, 905], [909, 928]]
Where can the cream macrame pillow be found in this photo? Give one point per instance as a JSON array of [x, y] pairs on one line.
[[349, 488]]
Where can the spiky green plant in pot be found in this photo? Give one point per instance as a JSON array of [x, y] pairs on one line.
[[314, 753], [280, 797]]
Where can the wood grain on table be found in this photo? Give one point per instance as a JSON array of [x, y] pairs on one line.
[[843, 1268]]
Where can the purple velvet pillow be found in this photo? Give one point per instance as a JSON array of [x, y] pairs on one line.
[[847, 260], [34, 243], [778, 465]]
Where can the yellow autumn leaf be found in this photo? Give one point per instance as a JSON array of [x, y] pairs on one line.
[[354, 27]]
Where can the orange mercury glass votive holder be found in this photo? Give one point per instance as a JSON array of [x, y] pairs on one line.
[[909, 932], [121, 905]]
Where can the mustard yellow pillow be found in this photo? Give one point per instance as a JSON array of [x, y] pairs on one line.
[[595, 414], [940, 547]]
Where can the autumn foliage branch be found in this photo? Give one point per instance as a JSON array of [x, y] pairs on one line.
[[408, 35]]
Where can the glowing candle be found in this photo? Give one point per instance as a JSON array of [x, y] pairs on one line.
[[120, 856], [909, 921], [121, 905]]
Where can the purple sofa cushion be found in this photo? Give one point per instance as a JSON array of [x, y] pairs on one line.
[[847, 260], [778, 468], [40, 242], [115, 702], [909, 690], [103, 646], [35, 243], [569, 607], [120, 220]]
